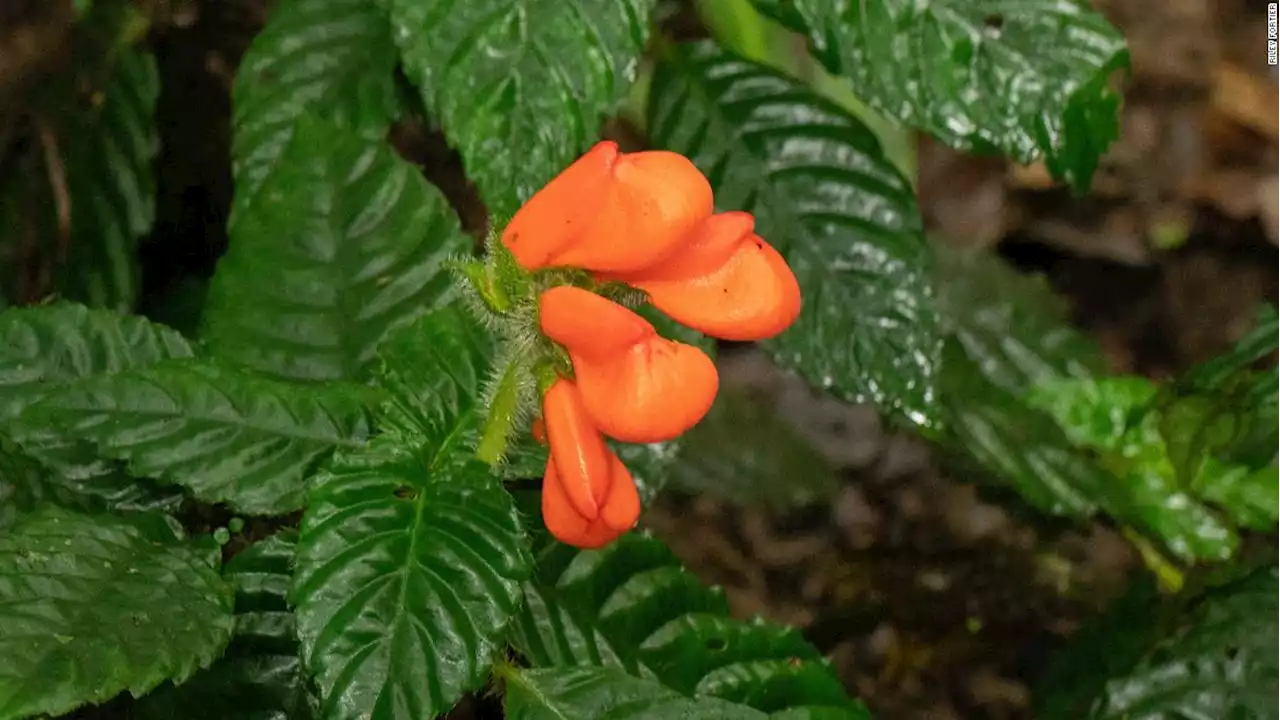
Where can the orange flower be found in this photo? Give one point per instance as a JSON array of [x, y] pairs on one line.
[[644, 219], [610, 211], [588, 496], [637, 385], [727, 282]]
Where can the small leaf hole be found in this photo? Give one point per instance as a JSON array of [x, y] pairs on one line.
[[404, 492], [716, 644], [994, 21]]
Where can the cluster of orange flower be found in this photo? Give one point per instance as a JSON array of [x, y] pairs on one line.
[[645, 219]]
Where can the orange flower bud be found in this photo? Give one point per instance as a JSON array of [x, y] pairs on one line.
[[619, 513], [750, 295], [577, 448], [611, 212], [637, 385], [538, 429]]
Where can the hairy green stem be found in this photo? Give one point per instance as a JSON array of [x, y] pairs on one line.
[[502, 414]]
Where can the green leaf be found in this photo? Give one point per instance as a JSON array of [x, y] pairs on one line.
[[1029, 79], [1260, 342], [92, 605], [1012, 325], [1109, 415], [73, 477], [46, 347], [1022, 446], [1209, 655], [328, 58], [825, 195], [108, 151], [229, 436], [260, 676], [1006, 333], [558, 694], [744, 452], [538, 75], [1225, 409], [345, 244], [412, 554], [631, 606]]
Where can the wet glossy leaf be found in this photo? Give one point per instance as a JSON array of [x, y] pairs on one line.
[[825, 195], [412, 554], [1110, 416], [228, 435], [603, 692], [328, 58], [346, 243], [74, 477], [91, 605], [46, 347], [633, 607], [1028, 79], [1208, 655], [260, 676], [537, 75]]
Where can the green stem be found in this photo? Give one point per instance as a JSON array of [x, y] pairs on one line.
[[502, 414], [1167, 574]]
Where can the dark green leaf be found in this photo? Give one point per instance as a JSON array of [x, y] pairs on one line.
[[1027, 78], [1259, 343], [533, 76], [91, 605], [1006, 333], [744, 452], [633, 607], [411, 555], [46, 347], [823, 192], [73, 476], [344, 244], [560, 693], [1207, 656], [229, 436], [108, 151], [1012, 325], [1021, 445], [329, 58], [260, 676]]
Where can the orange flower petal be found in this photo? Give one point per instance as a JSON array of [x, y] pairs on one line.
[[707, 249], [611, 212], [622, 508], [579, 451], [753, 296], [563, 210], [589, 325], [564, 523], [652, 392], [539, 431]]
